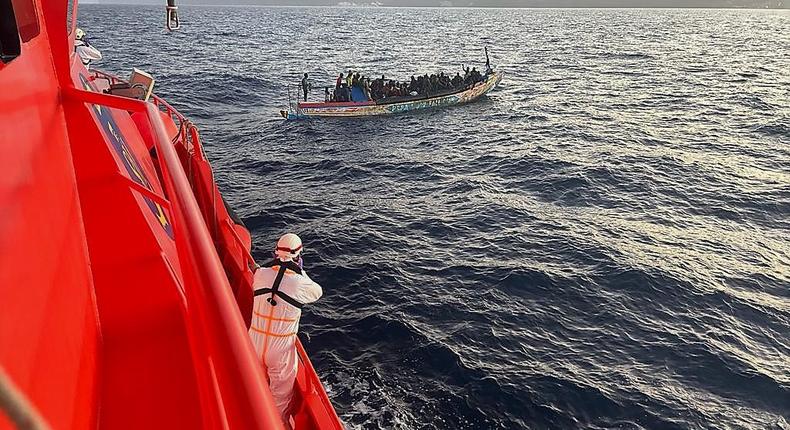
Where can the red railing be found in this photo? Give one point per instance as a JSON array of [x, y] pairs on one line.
[[232, 387]]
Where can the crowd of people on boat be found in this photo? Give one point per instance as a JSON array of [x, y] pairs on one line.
[[354, 86]]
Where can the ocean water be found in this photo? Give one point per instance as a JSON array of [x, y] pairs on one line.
[[601, 243]]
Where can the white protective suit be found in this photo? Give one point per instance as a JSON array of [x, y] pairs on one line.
[[86, 52], [274, 327]]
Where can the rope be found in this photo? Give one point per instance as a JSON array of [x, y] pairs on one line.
[[16, 406]]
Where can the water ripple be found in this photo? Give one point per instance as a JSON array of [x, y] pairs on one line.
[[601, 243]]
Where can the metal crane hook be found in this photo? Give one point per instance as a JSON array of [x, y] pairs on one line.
[[171, 16]]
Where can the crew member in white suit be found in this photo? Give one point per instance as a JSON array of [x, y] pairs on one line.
[[85, 50], [281, 287]]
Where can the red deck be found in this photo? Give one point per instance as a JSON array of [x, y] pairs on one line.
[[124, 283]]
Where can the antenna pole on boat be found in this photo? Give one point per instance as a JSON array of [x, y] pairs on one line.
[[290, 104], [488, 61], [171, 16]]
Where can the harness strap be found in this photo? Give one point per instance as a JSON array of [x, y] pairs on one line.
[[288, 299], [275, 288]]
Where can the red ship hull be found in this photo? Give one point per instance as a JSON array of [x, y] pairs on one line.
[[125, 284]]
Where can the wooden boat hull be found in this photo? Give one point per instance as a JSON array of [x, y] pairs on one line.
[[319, 110]]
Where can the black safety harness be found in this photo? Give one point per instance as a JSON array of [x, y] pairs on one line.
[[275, 288]]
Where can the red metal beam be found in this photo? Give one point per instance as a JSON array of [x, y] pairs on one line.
[[146, 192]]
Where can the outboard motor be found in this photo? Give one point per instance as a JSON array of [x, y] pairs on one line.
[[172, 16]]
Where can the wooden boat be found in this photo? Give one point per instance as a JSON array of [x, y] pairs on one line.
[[125, 281], [392, 105]]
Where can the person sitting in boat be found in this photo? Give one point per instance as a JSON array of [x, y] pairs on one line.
[[375, 89], [366, 87], [305, 86], [434, 84], [425, 89], [357, 92], [457, 80], [476, 76], [349, 78], [383, 87], [85, 50], [327, 97], [445, 82], [281, 288]]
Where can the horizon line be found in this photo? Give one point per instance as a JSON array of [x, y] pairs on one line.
[[368, 6]]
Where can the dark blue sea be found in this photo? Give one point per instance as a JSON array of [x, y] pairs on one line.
[[601, 243]]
